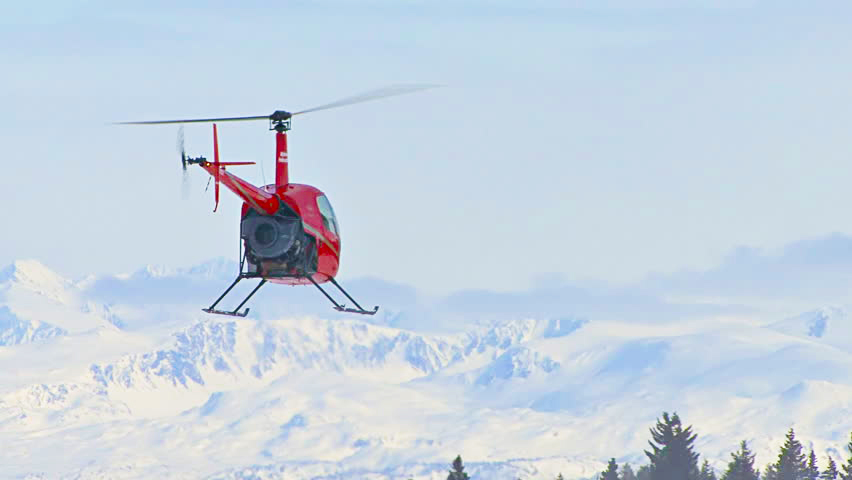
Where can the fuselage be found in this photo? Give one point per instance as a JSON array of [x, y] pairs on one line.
[[317, 220]]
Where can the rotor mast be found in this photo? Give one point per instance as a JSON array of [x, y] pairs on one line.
[[280, 122]]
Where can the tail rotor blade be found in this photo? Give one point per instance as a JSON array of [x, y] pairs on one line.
[[184, 186], [180, 147], [216, 166]]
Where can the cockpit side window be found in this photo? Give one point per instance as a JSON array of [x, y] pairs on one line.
[[328, 218]]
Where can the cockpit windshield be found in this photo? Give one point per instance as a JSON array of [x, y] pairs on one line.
[[328, 218]]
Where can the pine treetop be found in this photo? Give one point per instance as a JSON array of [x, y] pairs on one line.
[[706, 472], [457, 473], [611, 472], [627, 472], [846, 473], [741, 466], [672, 455], [812, 469], [830, 472], [791, 464]]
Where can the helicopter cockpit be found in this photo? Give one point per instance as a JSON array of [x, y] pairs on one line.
[[329, 220]]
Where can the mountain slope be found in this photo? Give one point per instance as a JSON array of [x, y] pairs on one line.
[[164, 391]]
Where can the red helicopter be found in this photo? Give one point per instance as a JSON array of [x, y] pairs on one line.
[[289, 232]]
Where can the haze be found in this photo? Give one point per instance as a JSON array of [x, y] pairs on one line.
[[587, 139]]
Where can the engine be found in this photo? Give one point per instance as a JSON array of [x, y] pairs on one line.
[[277, 244]]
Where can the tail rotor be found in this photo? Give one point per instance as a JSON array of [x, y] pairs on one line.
[[184, 186], [216, 168]]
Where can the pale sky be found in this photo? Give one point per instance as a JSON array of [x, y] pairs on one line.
[[603, 140]]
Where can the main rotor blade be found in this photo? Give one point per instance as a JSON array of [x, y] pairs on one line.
[[389, 91], [196, 120]]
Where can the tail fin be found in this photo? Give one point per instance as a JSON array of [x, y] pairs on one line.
[[216, 166], [219, 166]]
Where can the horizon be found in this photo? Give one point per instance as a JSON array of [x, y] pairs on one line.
[[750, 283]]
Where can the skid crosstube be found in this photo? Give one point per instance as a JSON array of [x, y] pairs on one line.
[[337, 306]]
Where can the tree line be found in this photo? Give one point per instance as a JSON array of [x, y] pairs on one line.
[[673, 457]]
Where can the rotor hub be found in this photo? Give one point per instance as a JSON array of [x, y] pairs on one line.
[[280, 121]]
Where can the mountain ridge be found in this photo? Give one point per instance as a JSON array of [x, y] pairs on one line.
[[309, 396]]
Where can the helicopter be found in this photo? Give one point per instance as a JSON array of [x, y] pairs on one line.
[[289, 233]]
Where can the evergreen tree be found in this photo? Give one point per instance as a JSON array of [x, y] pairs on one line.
[[672, 457], [791, 464], [560, 477], [812, 469], [769, 472], [846, 474], [644, 473], [830, 472], [627, 472], [741, 466], [457, 473], [611, 472], [706, 472]]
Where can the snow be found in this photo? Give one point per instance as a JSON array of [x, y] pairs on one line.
[[100, 384], [34, 276], [14, 331]]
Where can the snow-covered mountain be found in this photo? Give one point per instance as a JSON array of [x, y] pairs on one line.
[[14, 331], [100, 380]]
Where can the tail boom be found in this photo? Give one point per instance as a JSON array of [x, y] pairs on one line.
[[257, 198]]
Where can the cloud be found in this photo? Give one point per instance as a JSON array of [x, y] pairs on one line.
[[807, 273], [812, 270], [577, 301]]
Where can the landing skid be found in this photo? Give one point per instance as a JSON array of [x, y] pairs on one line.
[[236, 311], [342, 308], [337, 306]]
